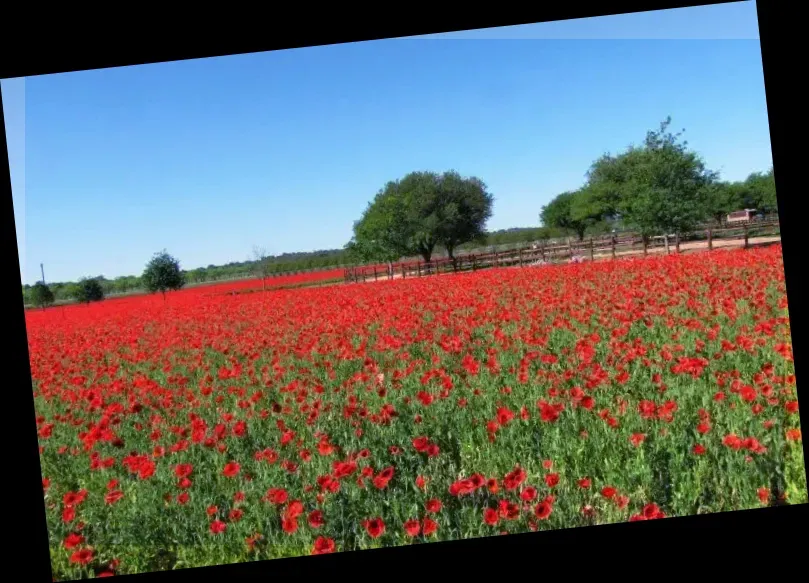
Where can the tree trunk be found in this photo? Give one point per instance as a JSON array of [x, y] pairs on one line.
[[164, 294], [452, 258]]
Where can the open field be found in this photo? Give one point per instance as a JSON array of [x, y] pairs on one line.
[[214, 428]]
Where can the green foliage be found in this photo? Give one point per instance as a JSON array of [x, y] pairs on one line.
[[423, 210], [558, 214], [87, 290], [41, 295], [722, 198], [163, 273], [760, 189], [658, 187]]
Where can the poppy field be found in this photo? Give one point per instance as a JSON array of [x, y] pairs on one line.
[[216, 428]]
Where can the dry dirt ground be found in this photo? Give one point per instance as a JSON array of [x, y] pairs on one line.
[[688, 247]]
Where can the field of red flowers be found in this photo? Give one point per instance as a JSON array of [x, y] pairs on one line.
[[211, 429]]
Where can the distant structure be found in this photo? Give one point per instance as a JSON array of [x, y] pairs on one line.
[[741, 216]]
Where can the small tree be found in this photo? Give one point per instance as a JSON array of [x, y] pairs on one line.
[[162, 274], [722, 198], [41, 295], [262, 266], [87, 290], [557, 214]]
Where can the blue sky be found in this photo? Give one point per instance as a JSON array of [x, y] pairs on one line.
[[209, 157]]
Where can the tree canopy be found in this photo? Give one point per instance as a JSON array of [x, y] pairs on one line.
[[413, 215], [88, 290], [163, 273], [659, 187], [41, 295]]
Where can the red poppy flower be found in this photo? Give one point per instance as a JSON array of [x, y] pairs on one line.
[[529, 494], [429, 526], [113, 497], [763, 495], [183, 498], [543, 510], [637, 439], [699, 449], [289, 524], [73, 540], [651, 511], [315, 519], [294, 509], [217, 526], [584, 483], [551, 480], [412, 527], [68, 514], [491, 517], [82, 557], [608, 492], [382, 479], [276, 496], [508, 510], [433, 506], [323, 546], [514, 478], [375, 527]]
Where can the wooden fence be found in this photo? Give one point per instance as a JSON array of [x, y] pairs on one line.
[[604, 247]]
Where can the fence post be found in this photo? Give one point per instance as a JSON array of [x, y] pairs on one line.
[[592, 250], [404, 268], [474, 263], [418, 267], [520, 257], [666, 241], [375, 274], [645, 242], [746, 235], [710, 239], [677, 242], [612, 244], [570, 247]]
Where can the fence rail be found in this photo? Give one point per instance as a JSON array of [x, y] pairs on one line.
[[608, 246]]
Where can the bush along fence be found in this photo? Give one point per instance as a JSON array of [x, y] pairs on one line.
[[573, 250]]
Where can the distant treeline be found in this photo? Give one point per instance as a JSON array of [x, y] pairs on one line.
[[287, 263]]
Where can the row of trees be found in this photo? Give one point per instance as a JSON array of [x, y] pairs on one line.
[[265, 265], [161, 274], [661, 187]]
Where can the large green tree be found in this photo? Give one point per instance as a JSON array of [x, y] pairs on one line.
[[413, 215], [163, 273], [663, 186]]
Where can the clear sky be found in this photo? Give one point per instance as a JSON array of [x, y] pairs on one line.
[[209, 157]]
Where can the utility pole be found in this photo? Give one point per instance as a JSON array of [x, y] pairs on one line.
[[42, 267]]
